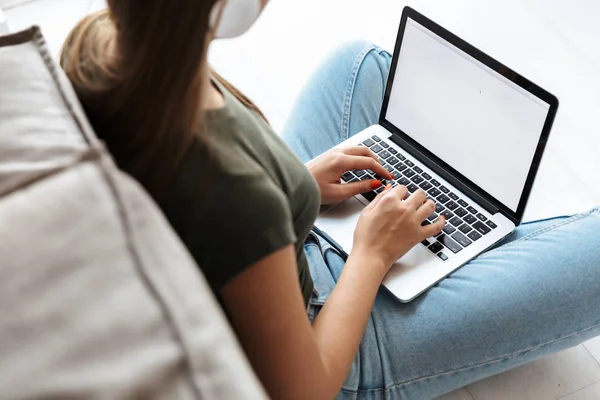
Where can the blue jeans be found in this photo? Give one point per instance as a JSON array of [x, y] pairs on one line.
[[536, 293]]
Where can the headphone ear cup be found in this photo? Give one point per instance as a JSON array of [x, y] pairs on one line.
[[232, 18]]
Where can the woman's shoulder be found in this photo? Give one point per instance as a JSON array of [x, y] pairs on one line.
[[228, 219], [217, 184]]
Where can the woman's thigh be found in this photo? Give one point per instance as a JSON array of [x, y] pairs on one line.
[[342, 98], [536, 294]]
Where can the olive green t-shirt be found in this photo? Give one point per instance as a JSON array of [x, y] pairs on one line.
[[255, 196]]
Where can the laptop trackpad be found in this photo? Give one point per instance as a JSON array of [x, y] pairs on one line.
[[340, 221]]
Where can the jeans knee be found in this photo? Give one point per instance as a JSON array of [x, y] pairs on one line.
[[363, 55], [353, 49]]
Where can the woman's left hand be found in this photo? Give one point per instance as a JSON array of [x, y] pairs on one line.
[[328, 169]]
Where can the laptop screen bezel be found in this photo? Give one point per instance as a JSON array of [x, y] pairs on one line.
[[434, 162]]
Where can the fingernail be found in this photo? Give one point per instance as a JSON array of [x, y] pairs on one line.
[[375, 184], [388, 187]]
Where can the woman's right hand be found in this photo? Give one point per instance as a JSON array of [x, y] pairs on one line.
[[390, 226]]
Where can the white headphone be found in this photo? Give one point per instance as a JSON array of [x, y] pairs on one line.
[[232, 18]]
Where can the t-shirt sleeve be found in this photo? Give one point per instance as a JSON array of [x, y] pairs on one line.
[[246, 219]]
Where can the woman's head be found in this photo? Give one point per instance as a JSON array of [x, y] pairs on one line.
[[139, 69]]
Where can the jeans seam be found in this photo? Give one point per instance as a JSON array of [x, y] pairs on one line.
[[345, 123], [483, 364]]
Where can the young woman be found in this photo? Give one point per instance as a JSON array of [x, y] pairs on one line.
[[244, 205]]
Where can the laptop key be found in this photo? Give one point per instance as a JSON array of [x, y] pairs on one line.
[[453, 196], [426, 175], [384, 155], [447, 214], [376, 138], [442, 256], [456, 221], [443, 199], [426, 243], [393, 151], [482, 217], [444, 189], [419, 170], [472, 210], [417, 179], [449, 243], [360, 173], [491, 224], [377, 148], [409, 163], [461, 212], [354, 180], [463, 203], [389, 168], [369, 142], [392, 160], [401, 157], [452, 205], [449, 229], [384, 145], [433, 217], [436, 248], [425, 185], [470, 219], [401, 167], [474, 236], [409, 173], [481, 228], [465, 228], [396, 175], [435, 183], [369, 195], [412, 188], [439, 208], [433, 191], [404, 181], [461, 239], [347, 176]]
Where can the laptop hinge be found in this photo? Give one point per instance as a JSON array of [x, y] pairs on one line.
[[489, 207]]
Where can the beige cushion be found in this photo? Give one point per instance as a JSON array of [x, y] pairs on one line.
[[98, 298]]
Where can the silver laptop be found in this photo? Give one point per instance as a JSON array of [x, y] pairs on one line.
[[463, 127]]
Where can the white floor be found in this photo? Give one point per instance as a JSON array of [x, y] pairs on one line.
[[553, 42]]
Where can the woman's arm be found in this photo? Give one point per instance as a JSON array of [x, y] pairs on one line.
[[293, 359], [289, 356]]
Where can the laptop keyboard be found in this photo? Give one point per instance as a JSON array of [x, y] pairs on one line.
[[464, 225]]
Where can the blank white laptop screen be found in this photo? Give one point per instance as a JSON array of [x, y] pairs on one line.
[[471, 117]]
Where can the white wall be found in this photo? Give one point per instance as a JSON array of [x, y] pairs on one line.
[[553, 42]]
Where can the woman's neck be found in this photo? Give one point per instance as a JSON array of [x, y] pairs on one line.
[[212, 98]]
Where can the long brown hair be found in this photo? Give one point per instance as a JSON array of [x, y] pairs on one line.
[[136, 68]]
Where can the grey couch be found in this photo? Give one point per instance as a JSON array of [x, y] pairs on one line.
[[98, 297]]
